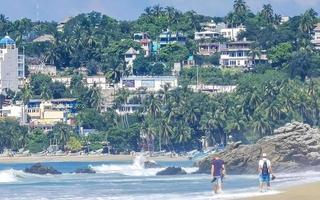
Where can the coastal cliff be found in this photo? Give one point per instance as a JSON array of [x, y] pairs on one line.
[[295, 146]]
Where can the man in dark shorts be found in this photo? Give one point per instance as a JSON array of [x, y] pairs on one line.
[[217, 172]]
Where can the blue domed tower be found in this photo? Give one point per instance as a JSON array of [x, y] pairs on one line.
[[9, 64], [7, 42]]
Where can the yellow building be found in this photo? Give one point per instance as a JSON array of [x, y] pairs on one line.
[[45, 114]]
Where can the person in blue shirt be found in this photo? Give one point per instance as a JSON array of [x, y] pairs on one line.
[[217, 172]]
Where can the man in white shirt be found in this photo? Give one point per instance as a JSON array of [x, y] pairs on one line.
[[265, 172]]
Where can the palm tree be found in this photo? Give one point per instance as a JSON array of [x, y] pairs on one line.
[[95, 97], [45, 92], [308, 20], [240, 10], [261, 126], [255, 52], [62, 132], [157, 10], [147, 133], [267, 13], [165, 131], [183, 133], [153, 105]]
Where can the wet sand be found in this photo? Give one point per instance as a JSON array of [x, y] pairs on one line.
[[303, 192]]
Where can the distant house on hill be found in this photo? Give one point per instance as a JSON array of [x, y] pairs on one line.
[[232, 33], [44, 38], [150, 83], [130, 56], [61, 25], [238, 54], [45, 114], [145, 42], [208, 48], [42, 68], [169, 37]]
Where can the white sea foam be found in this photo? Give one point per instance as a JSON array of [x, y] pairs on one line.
[[10, 176], [136, 169]]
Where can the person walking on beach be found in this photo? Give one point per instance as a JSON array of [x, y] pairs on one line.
[[217, 172], [265, 172]]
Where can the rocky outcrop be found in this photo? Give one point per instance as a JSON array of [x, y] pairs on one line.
[[172, 171], [292, 147], [88, 170], [151, 164], [38, 168]]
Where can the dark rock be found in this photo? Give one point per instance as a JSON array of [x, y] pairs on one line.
[[151, 164], [172, 171], [294, 146], [88, 170], [38, 168]]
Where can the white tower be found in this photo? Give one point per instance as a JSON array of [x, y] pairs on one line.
[[8, 64]]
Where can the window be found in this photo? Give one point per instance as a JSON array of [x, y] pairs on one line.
[[240, 54], [233, 63], [148, 83], [238, 62], [128, 83]]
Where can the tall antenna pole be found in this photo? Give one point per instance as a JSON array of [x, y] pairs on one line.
[[37, 13]]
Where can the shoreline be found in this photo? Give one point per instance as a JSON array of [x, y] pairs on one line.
[[82, 158], [307, 191]]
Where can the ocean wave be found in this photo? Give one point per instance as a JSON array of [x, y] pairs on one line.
[[128, 170], [11, 175]]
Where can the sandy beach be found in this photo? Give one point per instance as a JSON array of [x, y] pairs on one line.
[[303, 192], [82, 158]]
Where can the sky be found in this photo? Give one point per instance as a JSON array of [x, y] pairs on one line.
[[57, 10]]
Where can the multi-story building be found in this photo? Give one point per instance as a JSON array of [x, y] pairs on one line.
[[45, 114], [238, 54], [232, 33], [208, 26], [150, 83], [316, 37], [208, 48], [206, 35], [168, 37], [145, 42], [12, 67], [130, 56]]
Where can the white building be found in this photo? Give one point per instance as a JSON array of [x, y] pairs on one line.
[[99, 81], [130, 56], [208, 26], [42, 68], [145, 42], [316, 37], [213, 89], [151, 83], [238, 54], [206, 35], [9, 65], [14, 111], [66, 80], [232, 33]]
